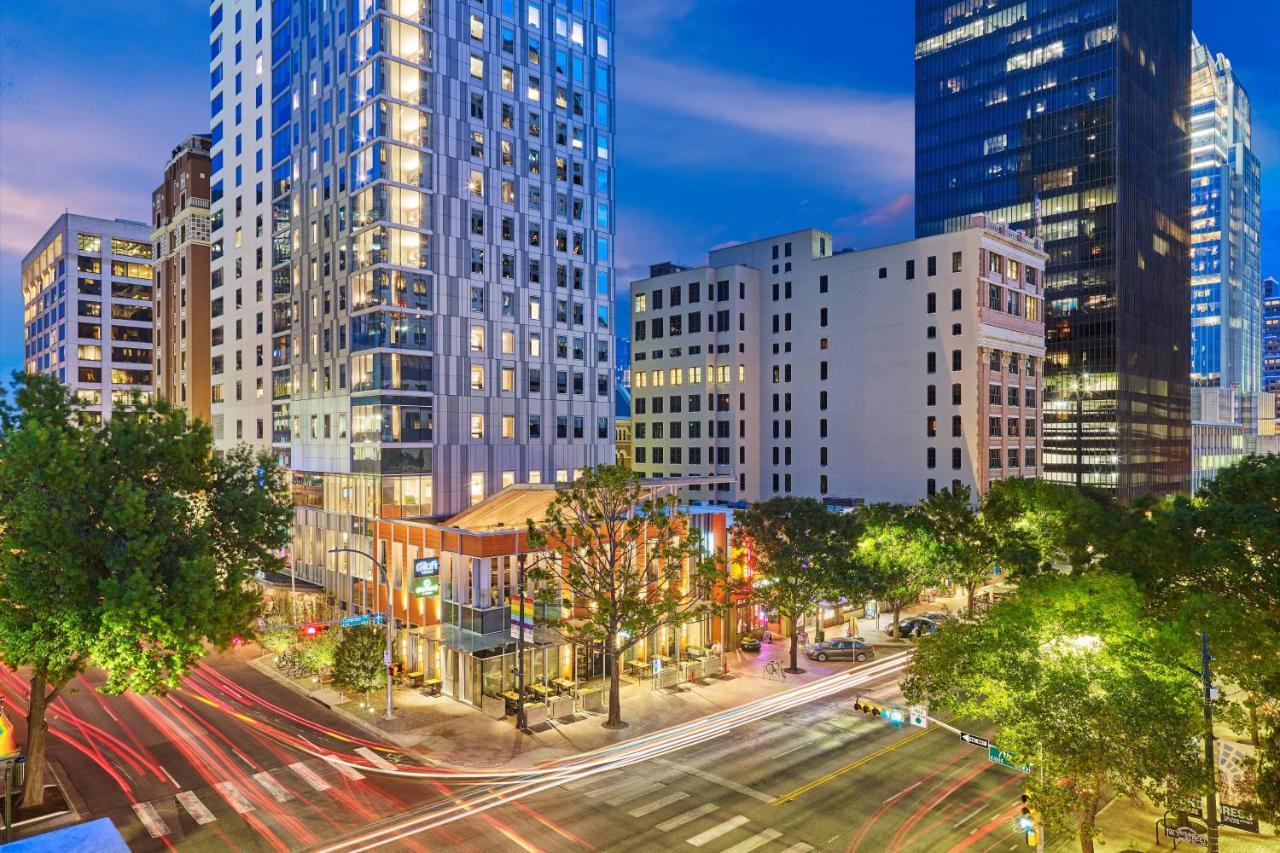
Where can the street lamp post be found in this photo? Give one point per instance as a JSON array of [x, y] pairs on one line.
[[386, 658], [522, 721]]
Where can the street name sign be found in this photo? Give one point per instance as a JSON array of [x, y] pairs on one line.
[[1186, 833], [364, 619], [999, 756]]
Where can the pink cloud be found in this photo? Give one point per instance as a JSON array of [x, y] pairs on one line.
[[894, 209]]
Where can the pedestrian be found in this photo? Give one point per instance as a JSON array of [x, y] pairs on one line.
[[768, 636], [915, 632]]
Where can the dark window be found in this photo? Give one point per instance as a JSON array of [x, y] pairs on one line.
[[931, 458], [931, 362], [931, 395], [931, 303], [911, 270], [884, 272], [822, 284], [955, 299], [931, 265], [955, 458]]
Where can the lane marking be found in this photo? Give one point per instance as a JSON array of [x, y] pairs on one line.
[[198, 810], [151, 819], [374, 759], [903, 791], [274, 788], [834, 774], [660, 803], [719, 780], [631, 792], [170, 775], [594, 779], [718, 830], [757, 840], [967, 817], [343, 768], [683, 818], [309, 776], [232, 795]]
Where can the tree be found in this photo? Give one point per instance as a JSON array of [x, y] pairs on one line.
[[900, 556], [1038, 523], [318, 652], [1082, 684], [613, 565], [796, 549], [126, 546], [358, 660]]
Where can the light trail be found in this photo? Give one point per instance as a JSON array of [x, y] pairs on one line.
[[528, 782]]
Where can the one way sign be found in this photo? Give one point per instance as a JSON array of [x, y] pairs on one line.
[[975, 740]]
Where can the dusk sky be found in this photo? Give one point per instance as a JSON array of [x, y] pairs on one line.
[[736, 119]]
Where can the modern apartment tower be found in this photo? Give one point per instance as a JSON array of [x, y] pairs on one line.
[[1226, 221], [1271, 334], [784, 367], [180, 219], [421, 193], [87, 310], [248, 231], [1071, 121]]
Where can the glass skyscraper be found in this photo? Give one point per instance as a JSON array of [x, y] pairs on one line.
[[1271, 334], [1226, 215], [1070, 119]]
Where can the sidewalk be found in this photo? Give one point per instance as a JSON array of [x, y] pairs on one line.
[[1126, 826], [452, 732]]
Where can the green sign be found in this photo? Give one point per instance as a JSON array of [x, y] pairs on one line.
[[999, 756], [426, 577]]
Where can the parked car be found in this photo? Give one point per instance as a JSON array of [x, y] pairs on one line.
[[749, 643], [844, 648], [908, 627], [938, 616]]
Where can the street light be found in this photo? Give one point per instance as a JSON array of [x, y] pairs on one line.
[[1078, 394], [386, 657]]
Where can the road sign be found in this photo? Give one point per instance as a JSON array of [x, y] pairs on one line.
[[364, 619], [999, 756], [975, 740], [386, 657], [920, 716], [1237, 817], [1186, 833]]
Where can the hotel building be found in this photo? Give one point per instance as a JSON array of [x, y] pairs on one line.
[[855, 377], [180, 217], [87, 310]]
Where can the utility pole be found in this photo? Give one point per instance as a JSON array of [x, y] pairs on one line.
[[1211, 812], [386, 656], [522, 722]]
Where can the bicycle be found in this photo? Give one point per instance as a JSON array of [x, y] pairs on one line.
[[773, 668]]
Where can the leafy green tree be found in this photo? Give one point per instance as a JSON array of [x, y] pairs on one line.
[[799, 551], [358, 660], [1038, 523], [318, 653], [1082, 685], [618, 565], [965, 549], [900, 556], [125, 546]]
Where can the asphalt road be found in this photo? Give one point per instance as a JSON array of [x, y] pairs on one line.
[[215, 766]]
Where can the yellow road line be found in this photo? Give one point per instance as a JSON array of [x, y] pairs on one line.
[[822, 780]]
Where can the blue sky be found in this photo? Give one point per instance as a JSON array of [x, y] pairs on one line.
[[737, 119]]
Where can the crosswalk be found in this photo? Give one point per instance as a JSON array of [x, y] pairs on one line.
[[675, 813], [162, 817]]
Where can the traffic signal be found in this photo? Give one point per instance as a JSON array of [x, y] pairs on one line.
[[1029, 821], [311, 629], [879, 710]]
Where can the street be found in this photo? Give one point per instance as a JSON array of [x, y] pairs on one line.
[[225, 762]]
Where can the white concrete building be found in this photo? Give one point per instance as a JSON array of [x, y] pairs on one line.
[[87, 309], [857, 376]]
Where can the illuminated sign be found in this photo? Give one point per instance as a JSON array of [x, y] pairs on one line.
[[426, 577]]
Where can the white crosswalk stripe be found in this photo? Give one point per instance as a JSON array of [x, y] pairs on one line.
[[198, 810], [151, 819], [274, 788], [630, 792], [343, 768], [681, 819], [374, 759], [799, 847], [718, 830], [232, 795], [758, 840], [593, 781], [309, 776], [660, 803]]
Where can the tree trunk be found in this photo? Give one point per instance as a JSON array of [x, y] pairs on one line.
[[897, 619], [37, 739], [795, 649], [615, 688], [970, 588], [1087, 823], [1086, 840], [1253, 725]]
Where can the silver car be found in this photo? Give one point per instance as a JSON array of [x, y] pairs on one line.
[[844, 648]]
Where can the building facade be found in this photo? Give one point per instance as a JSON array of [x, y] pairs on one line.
[[1070, 120], [1228, 425], [875, 375], [180, 219], [87, 310], [1226, 216], [1271, 334], [413, 232]]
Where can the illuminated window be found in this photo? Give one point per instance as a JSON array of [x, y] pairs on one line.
[[477, 377], [509, 379], [477, 486], [477, 67], [508, 478], [477, 426], [477, 28], [477, 338], [476, 182], [508, 342], [508, 426]]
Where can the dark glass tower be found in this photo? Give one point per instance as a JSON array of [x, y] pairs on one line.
[[1070, 118]]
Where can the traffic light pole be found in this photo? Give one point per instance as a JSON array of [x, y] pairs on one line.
[[1211, 812], [522, 720]]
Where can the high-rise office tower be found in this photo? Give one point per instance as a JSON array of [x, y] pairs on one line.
[[180, 219], [1271, 334], [86, 293], [424, 192], [1070, 120], [1226, 216], [248, 232]]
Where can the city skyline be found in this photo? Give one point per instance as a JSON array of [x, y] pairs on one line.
[[862, 185]]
